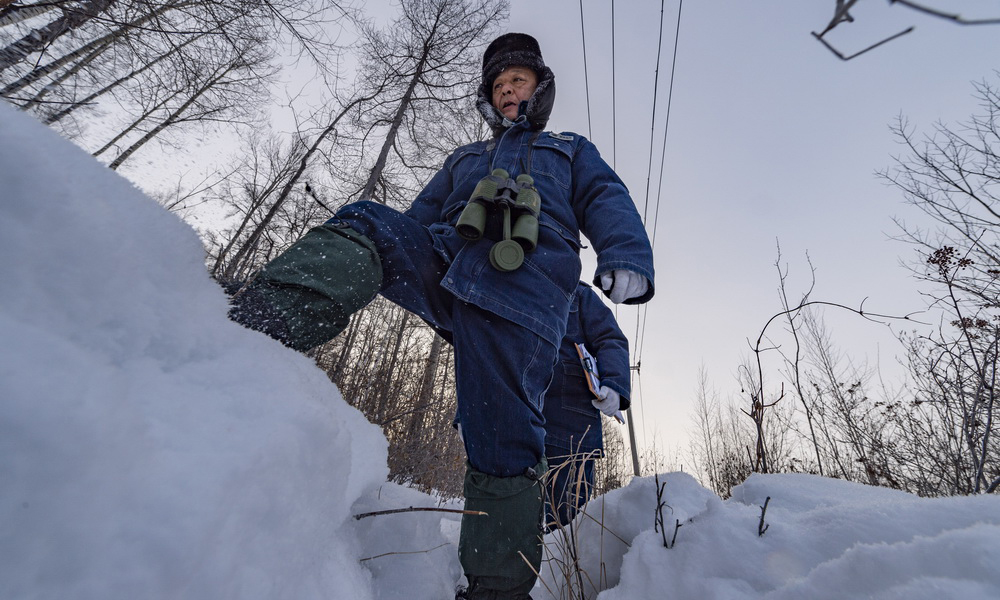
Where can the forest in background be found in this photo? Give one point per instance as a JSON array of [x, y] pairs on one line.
[[124, 78]]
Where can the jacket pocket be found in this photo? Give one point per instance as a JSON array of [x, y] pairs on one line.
[[575, 394], [553, 158]]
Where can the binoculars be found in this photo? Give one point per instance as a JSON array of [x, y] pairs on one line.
[[519, 198]]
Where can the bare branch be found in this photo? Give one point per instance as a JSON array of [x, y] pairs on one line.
[[476, 513]]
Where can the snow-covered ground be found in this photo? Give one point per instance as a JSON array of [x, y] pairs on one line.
[[150, 448]]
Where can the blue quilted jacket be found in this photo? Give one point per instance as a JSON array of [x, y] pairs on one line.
[[580, 194]]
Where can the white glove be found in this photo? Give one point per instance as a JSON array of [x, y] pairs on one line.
[[609, 402], [627, 284]]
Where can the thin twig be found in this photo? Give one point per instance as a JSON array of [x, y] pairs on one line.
[[840, 15], [819, 37], [603, 528], [420, 508], [603, 575], [761, 527], [658, 517], [951, 17], [677, 526], [535, 571], [412, 552]]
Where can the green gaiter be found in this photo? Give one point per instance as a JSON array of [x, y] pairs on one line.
[[491, 546]]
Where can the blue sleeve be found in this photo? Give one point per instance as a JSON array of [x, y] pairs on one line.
[[608, 217], [606, 343]]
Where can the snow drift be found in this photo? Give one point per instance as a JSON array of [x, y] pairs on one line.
[[149, 447]]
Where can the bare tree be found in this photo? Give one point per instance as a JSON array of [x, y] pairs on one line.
[[423, 59], [935, 435], [720, 449], [817, 415], [11, 13], [400, 374], [218, 96], [89, 99], [430, 56], [709, 447], [161, 65], [300, 157], [842, 15], [953, 176], [80, 56]]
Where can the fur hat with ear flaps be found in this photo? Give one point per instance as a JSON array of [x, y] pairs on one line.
[[516, 50]]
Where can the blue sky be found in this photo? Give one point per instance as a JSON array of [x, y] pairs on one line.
[[772, 139]]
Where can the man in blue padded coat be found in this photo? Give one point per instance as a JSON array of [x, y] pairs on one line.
[[500, 290]]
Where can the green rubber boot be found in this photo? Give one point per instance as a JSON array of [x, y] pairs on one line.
[[501, 552], [306, 295]]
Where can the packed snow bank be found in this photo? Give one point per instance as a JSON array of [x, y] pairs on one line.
[[823, 539], [150, 448]]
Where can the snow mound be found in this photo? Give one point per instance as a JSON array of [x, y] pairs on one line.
[[150, 448]]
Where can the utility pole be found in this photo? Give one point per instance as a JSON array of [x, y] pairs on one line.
[[631, 429]]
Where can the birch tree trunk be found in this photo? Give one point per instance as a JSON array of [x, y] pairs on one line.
[[41, 38], [389, 373], [390, 138], [10, 15], [91, 49]]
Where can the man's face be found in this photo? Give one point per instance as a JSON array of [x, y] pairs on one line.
[[512, 86]]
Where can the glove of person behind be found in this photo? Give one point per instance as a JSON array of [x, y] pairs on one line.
[[624, 285], [609, 402]]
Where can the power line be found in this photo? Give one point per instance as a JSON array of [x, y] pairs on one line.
[[614, 90], [652, 126], [586, 80], [643, 408], [666, 124]]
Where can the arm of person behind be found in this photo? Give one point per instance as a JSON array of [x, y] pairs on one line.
[[607, 343], [608, 217]]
